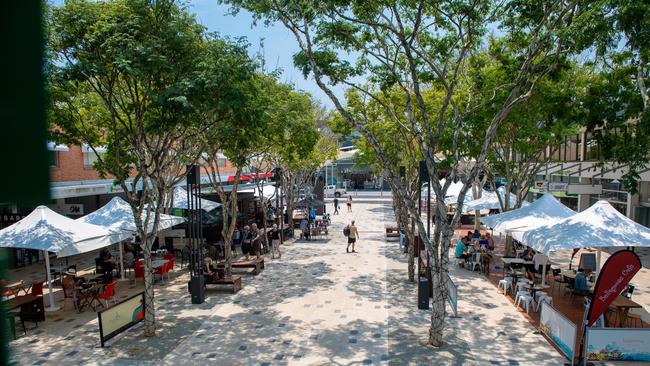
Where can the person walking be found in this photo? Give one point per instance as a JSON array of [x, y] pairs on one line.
[[256, 241], [353, 235], [349, 203], [336, 206], [275, 242]]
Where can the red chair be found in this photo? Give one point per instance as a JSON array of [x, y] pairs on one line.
[[37, 289], [160, 271], [170, 257], [138, 270], [108, 293]]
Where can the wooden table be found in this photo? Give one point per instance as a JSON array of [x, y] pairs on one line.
[[31, 307], [16, 287], [623, 306]]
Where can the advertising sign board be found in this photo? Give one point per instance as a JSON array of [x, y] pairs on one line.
[[558, 329], [120, 317]]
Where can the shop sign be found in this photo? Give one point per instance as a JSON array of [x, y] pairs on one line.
[[541, 184], [10, 218], [557, 187], [72, 209]]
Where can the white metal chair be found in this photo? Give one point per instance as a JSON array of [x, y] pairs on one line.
[[527, 300], [506, 283], [476, 261], [543, 297]]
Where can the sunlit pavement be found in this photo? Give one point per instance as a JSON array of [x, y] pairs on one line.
[[318, 306]]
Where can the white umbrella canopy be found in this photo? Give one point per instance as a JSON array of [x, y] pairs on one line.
[[546, 210], [117, 216], [451, 196], [46, 230], [179, 200], [490, 201], [601, 225]]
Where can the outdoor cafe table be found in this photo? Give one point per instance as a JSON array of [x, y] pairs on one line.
[[15, 288], [536, 287], [24, 303], [623, 306]]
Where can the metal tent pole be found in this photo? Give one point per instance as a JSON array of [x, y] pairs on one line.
[[52, 306]]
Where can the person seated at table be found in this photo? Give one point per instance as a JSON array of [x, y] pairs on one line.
[[476, 235], [486, 258], [209, 269], [312, 214], [106, 259], [129, 259], [304, 227], [461, 247], [490, 241], [72, 285], [528, 254], [580, 285], [483, 241]]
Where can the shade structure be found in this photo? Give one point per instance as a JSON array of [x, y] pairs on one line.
[[117, 216], [179, 200], [546, 210], [46, 230], [490, 201], [451, 196], [268, 192], [599, 226]]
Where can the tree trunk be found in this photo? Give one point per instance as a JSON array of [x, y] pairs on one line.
[[150, 310]]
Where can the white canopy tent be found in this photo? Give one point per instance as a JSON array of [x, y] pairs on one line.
[[268, 192], [117, 217], [546, 210], [490, 201], [179, 200], [601, 225], [46, 230], [451, 196]]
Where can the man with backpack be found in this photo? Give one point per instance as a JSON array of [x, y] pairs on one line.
[[352, 233]]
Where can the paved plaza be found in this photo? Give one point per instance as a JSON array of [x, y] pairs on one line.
[[315, 306]]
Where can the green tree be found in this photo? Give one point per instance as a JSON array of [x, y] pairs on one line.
[[615, 107], [129, 75], [419, 46]]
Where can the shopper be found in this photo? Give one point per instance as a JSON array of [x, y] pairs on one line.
[[353, 235], [275, 242]]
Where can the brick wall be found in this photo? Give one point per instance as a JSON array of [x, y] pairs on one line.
[[71, 167]]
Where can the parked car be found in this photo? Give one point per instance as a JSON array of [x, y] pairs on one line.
[[332, 190]]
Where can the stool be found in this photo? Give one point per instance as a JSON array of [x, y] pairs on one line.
[[521, 287], [543, 298], [527, 300], [634, 318], [506, 283]]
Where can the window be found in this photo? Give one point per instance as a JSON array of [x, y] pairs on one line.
[[53, 159], [89, 159], [221, 162]]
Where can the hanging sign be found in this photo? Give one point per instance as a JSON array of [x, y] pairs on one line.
[[541, 184], [557, 187], [613, 279]]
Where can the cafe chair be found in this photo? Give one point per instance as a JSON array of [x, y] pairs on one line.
[[543, 297], [558, 279], [70, 293], [526, 299], [506, 283], [107, 293], [36, 289], [170, 257], [10, 317]]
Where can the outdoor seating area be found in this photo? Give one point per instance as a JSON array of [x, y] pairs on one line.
[[537, 259]]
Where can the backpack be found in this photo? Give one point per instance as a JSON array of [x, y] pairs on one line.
[[346, 230]]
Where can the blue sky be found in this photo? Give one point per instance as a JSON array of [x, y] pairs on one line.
[[279, 44]]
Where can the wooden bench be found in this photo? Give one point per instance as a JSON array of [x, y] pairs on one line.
[[231, 281], [256, 264]]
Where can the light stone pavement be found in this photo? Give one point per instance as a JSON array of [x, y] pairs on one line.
[[318, 306]]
